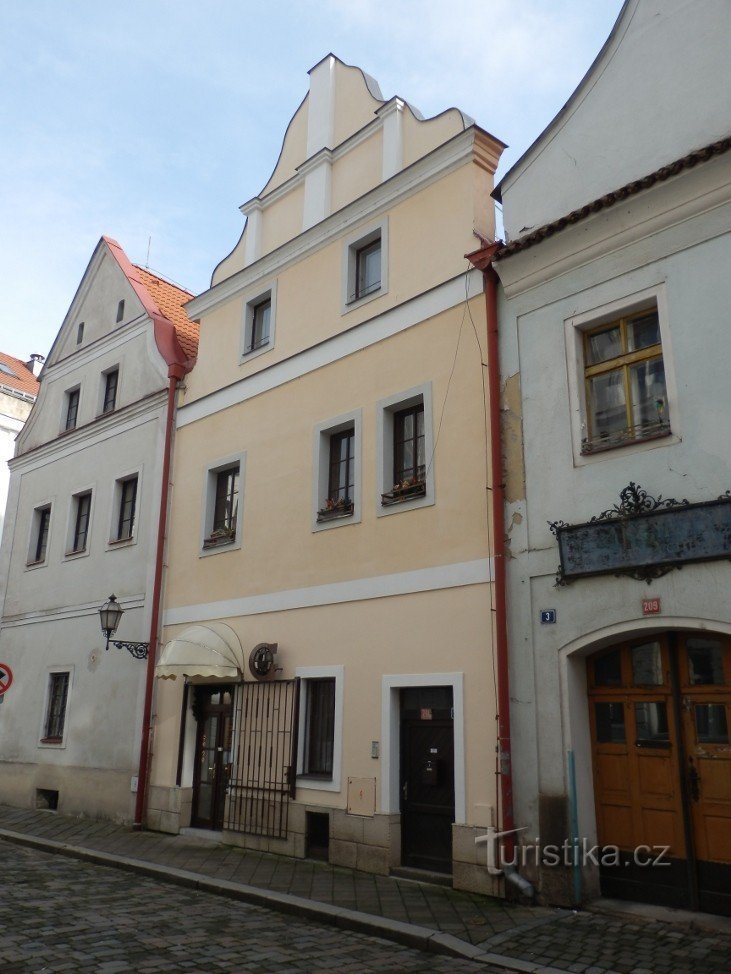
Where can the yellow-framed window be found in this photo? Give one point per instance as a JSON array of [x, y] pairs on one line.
[[624, 381]]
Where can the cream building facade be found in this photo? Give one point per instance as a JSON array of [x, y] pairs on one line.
[[327, 683], [82, 521], [614, 352]]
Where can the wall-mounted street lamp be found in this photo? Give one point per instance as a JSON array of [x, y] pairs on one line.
[[110, 614]]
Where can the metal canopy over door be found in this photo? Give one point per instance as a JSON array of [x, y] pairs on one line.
[[212, 708], [660, 716], [427, 778]]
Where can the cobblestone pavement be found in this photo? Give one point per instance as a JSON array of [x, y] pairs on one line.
[[519, 938], [58, 914]]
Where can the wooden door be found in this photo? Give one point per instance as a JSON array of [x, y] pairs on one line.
[[660, 712], [705, 686]]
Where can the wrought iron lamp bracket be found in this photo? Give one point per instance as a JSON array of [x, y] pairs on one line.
[[137, 650]]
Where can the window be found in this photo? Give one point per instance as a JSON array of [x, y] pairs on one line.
[[120, 311], [624, 380], [225, 508], [319, 727], [367, 269], [82, 512], [406, 451], [222, 504], [80, 333], [39, 538], [127, 506], [111, 381], [339, 501], [365, 266], [320, 734], [336, 467], [261, 319], [72, 408], [55, 718], [259, 314]]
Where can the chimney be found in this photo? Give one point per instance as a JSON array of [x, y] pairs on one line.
[[36, 363]]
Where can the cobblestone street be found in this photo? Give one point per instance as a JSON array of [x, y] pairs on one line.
[[58, 914]]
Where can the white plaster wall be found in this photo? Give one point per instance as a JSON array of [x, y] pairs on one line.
[[50, 612], [658, 91], [674, 240]]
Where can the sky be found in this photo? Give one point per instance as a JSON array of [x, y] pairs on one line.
[[151, 121]]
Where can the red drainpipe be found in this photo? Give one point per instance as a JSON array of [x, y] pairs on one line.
[[175, 373], [482, 259]]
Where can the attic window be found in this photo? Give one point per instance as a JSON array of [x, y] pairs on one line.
[[120, 311], [80, 333], [7, 370]]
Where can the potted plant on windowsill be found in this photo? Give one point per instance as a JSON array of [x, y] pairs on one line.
[[405, 490], [335, 508], [220, 536]]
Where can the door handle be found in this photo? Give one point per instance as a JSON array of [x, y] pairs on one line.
[[694, 782]]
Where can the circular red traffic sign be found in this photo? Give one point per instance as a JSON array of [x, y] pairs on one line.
[[6, 677]]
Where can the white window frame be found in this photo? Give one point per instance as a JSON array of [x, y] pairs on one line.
[[113, 541], [306, 673], [208, 503], [351, 246], [267, 293], [574, 330], [321, 467], [46, 700], [385, 411], [31, 563], [69, 553], [103, 388]]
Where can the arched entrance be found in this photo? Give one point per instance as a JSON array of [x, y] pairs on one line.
[[660, 715]]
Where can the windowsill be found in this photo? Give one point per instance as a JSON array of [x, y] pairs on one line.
[[213, 543], [121, 542], [359, 302], [36, 564], [54, 742], [590, 450], [253, 353], [403, 495], [325, 517], [79, 552]]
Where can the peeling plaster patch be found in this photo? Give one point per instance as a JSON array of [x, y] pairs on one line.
[[512, 433]]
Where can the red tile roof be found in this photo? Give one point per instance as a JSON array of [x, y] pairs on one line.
[[170, 300], [22, 379]]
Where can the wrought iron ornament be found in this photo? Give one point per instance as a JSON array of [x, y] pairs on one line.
[[644, 537], [634, 500], [138, 650]]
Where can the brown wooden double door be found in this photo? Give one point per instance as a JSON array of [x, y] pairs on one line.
[[660, 710]]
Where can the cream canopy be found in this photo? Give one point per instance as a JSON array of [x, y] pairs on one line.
[[213, 650]]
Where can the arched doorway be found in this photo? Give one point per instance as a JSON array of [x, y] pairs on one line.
[[660, 716]]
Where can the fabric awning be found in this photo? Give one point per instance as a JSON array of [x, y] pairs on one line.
[[211, 650]]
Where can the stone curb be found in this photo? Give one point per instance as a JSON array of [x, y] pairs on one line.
[[406, 934]]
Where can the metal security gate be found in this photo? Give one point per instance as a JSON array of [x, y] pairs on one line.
[[264, 769]]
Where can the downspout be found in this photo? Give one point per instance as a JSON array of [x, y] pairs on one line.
[[175, 374], [482, 259]]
